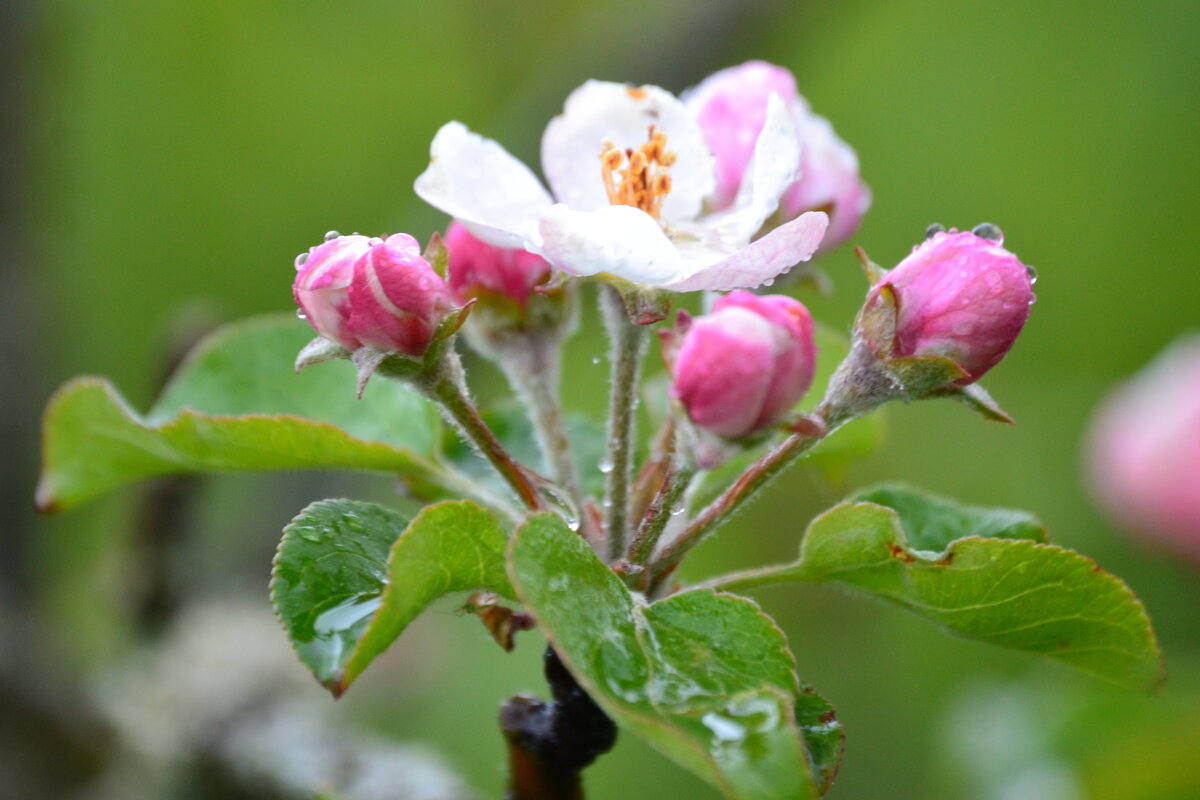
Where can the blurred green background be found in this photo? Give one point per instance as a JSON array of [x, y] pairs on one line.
[[163, 157]]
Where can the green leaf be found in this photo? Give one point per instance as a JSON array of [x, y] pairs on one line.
[[235, 404], [350, 576], [705, 677], [932, 522], [1020, 594]]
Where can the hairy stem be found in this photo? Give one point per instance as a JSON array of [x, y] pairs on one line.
[[628, 346], [731, 500], [446, 384], [675, 481], [531, 362]]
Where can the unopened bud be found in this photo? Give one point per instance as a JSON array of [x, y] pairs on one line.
[[322, 286], [1144, 454], [379, 293], [740, 369], [933, 326], [959, 296], [488, 273]]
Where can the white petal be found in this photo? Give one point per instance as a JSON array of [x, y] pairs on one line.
[[599, 111], [481, 185], [774, 167], [619, 240], [758, 262]]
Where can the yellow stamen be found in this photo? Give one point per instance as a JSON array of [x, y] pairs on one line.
[[644, 181]]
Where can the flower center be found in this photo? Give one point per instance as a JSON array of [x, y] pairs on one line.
[[644, 181]]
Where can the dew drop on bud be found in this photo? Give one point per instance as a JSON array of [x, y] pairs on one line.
[[375, 241], [573, 523], [300, 259], [933, 229], [1032, 274], [986, 230], [300, 313], [331, 235], [605, 465]]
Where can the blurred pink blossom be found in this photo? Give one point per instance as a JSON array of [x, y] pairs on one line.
[[1144, 450]]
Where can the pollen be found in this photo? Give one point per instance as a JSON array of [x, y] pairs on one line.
[[644, 181]]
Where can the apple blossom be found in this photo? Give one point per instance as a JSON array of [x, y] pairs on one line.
[[731, 109], [631, 172]]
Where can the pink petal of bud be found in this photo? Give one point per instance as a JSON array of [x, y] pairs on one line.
[[1145, 451], [397, 300], [479, 268], [322, 286], [731, 108], [960, 296], [738, 370]]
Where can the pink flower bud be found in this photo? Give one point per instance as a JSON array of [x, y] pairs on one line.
[[1145, 451], [958, 295], [731, 108], [740, 369], [477, 268], [322, 287], [358, 291]]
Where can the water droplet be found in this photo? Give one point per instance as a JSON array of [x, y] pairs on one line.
[[679, 509], [1033, 276], [1032, 299], [300, 259], [986, 230], [595, 359], [310, 535], [573, 523], [375, 241], [605, 465], [769, 282], [933, 229], [300, 313], [346, 614], [331, 235]]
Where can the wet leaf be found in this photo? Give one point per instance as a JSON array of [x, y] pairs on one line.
[[235, 404], [1016, 593], [350, 576], [705, 677], [932, 522]]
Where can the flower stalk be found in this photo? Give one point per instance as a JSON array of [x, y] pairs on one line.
[[441, 378], [675, 482], [762, 472], [531, 363], [628, 346]]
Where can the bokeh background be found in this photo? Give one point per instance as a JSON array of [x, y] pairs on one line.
[[163, 162]]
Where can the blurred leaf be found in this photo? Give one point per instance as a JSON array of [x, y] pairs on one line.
[[932, 522], [349, 576], [1021, 594], [706, 678], [235, 404]]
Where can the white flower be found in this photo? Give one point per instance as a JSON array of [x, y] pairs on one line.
[[631, 171]]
